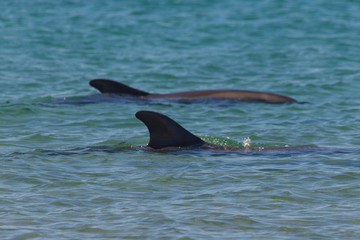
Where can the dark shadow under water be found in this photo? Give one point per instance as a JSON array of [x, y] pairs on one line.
[[125, 99], [200, 150]]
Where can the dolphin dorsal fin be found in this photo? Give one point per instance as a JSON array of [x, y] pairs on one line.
[[111, 86], [165, 132]]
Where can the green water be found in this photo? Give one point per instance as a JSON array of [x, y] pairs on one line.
[[64, 176]]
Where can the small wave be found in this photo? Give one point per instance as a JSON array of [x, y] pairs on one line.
[[222, 141]]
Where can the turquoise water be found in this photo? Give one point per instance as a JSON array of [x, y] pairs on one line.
[[63, 175]]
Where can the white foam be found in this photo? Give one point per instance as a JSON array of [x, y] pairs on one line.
[[246, 142]]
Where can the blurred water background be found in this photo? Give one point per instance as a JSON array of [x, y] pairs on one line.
[[55, 180]]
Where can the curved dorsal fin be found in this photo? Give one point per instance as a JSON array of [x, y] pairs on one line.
[[111, 86], [165, 132]]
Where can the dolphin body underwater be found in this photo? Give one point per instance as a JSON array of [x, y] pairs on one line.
[[107, 86], [166, 134]]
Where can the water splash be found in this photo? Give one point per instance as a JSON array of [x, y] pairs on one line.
[[246, 142], [222, 141]]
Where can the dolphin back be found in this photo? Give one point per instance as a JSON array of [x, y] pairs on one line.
[[114, 87], [165, 132]]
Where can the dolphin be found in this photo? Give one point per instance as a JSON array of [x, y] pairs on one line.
[[107, 86], [165, 133]]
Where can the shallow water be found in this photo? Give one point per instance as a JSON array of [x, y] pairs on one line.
[[63, 176]]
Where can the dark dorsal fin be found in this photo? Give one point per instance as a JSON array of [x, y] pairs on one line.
[[111, 86], [165, 132]]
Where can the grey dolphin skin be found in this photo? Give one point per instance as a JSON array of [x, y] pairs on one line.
[[165, 133], [114, 87]]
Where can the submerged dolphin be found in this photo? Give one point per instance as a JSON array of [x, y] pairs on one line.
[[113, 87], [165, 133]]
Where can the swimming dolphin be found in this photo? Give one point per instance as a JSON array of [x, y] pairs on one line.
[[165, 133], [114, 87]]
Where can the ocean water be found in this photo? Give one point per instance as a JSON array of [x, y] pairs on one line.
[[63, 174]]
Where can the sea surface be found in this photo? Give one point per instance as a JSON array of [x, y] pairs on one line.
[[73, 170]]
